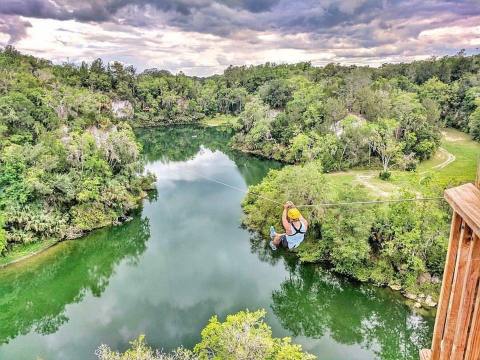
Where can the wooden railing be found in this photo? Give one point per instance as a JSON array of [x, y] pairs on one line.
[[456, 335]]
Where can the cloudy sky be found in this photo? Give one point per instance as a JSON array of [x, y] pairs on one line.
[[201, 37]]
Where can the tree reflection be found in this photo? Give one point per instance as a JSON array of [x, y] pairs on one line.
[[34, 294], [182, 143], [314, 303]]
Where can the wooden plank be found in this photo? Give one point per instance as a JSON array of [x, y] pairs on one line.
[[455, 298], [473, 344], [465, 200], [467, 304], [446, 285], [425, 354], [472, 351]]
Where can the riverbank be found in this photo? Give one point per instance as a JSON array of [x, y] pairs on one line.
[[21, 252], [24, 251]]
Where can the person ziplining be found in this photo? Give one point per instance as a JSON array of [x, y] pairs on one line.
[[295, 226]]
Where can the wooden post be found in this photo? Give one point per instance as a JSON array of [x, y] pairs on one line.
[[456, 335]]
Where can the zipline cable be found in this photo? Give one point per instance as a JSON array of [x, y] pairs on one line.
[[236, 188], [434, 198]]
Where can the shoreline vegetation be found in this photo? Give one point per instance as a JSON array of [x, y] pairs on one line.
[[70, 162], [23, 252], [244, 333]]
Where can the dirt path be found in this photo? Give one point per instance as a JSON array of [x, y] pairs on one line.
[[451, 137], [364, 179], [368, 178], [450, 158]]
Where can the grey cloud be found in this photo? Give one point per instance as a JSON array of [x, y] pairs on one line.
[[15, 27], [225, 17], [362, 30], [102, 10]]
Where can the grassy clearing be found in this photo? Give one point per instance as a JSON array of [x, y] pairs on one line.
[[467, 153], [220, 120], [454, 163], [23, 251]]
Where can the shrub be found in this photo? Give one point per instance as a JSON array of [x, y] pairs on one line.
[[384, 175], [245, 336], [3, 235], [141, 351]]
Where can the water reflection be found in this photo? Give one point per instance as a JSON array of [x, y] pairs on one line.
[[180, 145], [34, 293], [313, 303]]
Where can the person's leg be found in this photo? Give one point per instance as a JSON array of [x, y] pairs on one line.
[[272, 232], [278, 239]]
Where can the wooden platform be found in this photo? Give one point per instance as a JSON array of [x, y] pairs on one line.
[[457, 326], [465, 200]]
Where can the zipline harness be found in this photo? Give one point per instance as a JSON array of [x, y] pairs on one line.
[[297, 231]]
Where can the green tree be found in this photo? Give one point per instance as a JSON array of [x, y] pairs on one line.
[[276, 93], [474, 122], [383, 142], [245, 336], [139, 350], [3, 235]]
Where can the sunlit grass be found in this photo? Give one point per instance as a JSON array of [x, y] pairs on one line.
[[462, 170], [25, 250], [219, 120], [467, 153]]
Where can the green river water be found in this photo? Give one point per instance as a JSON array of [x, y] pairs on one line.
[[182, 259]]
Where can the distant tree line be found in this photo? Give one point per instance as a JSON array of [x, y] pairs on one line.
[[343, 115]]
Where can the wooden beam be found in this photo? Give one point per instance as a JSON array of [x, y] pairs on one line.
[[456, 297], [448, 272], [465, 200], [468, 294], [473, 344], [425, 354], [472, 351]]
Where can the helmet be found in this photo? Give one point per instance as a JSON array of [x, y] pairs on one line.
[[294, 214]]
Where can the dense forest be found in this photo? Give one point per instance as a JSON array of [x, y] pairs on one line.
[[67, 164], [70, 162]]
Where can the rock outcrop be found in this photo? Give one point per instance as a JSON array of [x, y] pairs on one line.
[[122, 109]]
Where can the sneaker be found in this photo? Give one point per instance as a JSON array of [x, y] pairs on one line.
[[272, 232], [272, 245]]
